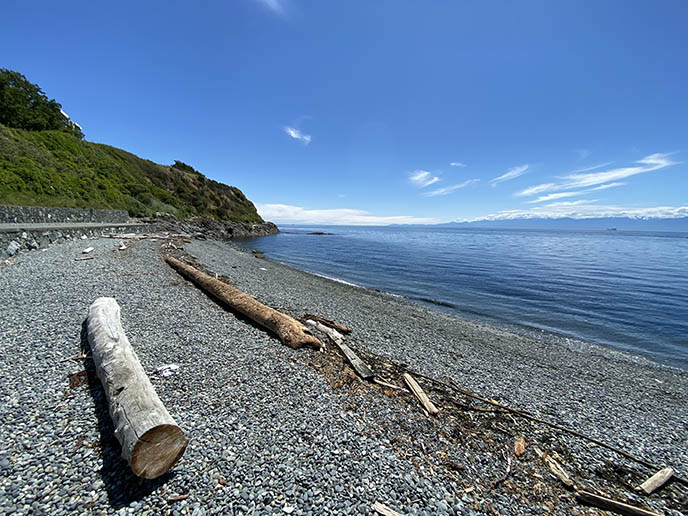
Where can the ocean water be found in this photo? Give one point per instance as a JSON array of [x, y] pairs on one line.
[[625, 290]]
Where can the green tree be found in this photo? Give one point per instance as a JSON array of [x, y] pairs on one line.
[[180, 165], [23, 105]]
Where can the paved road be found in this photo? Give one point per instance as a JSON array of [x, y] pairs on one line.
[[44, 226]]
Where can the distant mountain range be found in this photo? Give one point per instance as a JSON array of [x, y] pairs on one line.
[[605, 223]]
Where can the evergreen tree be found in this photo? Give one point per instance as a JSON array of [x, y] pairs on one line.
[[23, 105]]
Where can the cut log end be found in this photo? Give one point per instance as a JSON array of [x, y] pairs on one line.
[[158, 450]]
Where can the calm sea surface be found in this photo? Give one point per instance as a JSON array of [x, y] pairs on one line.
[[627, 290]]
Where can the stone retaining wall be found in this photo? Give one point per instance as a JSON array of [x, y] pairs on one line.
[[38, 214]]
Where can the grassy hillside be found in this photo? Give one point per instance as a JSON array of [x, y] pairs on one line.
[[56, 168]]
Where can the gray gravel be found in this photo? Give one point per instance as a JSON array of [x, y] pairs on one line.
[[270, 433]]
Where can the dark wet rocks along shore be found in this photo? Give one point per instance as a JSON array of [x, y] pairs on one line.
[[275, 430]]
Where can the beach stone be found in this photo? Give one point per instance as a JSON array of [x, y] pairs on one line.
[[13, 248]]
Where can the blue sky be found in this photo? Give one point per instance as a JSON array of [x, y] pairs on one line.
[[374, 112]]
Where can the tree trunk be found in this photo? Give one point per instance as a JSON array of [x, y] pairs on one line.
[[151, 441], [289, 330]]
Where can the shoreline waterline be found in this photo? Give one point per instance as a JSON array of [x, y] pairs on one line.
[[536, 280], [547, 335]]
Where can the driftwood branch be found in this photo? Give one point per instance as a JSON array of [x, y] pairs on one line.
[[608, 504], [388, 385], [555, 468], [327, 322], [420, 394], [359, 365], [151, 441], [333, 334], [289, 330]]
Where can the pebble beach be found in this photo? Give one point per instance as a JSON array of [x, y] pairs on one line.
[[280, 431]]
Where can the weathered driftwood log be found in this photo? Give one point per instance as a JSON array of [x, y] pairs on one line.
[[327, 322], [612, 505], [656, 481], [419, 393], [289, 330], [359, 365], [151, 441]]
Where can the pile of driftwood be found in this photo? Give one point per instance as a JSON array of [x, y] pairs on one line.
[[297, 334]]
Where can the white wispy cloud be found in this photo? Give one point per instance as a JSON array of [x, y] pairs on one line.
[[449, 189], [512, 173], [647, 164], [533, 190], [584, 210], [289, 214], [422, 178], [297, 135], [553, 196], [457, 164], [594, 167], [604, 187], [560, 195], [276, 6], [570, 203], [575, 180]]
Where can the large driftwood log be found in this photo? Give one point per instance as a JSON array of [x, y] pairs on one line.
[[289, 330], [151, 441]]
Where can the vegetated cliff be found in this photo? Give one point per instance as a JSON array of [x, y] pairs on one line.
[[45, 162], [55, 168]]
